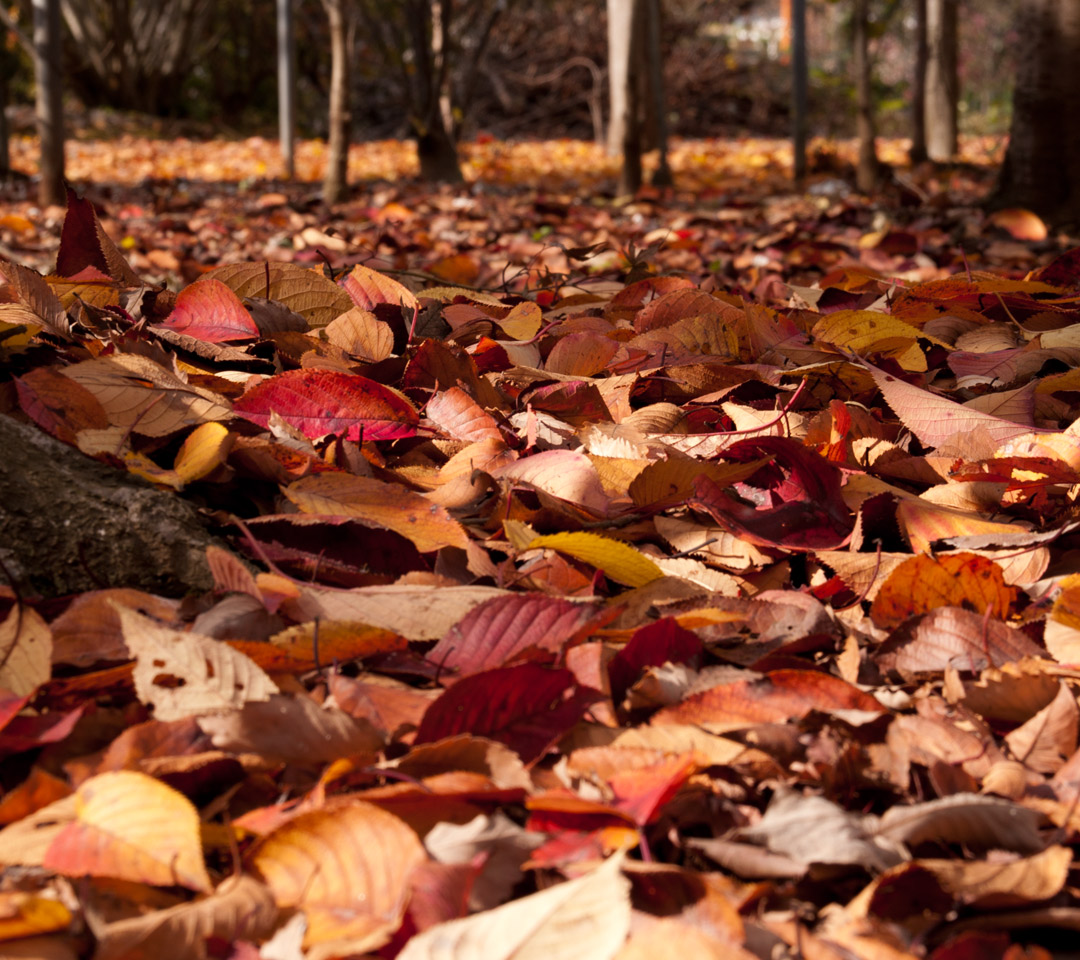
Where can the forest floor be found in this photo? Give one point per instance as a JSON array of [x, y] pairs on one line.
[[515, 569]]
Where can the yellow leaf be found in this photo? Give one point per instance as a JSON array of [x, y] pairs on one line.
[[867, 331], [23, 914], [202, 452], [618, 560], [131, 827], [522, 322]]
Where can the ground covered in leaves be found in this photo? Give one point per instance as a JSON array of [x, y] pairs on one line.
[[687, 576]]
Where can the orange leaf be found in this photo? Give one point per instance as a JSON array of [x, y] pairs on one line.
[[924, 583], [347, 868]]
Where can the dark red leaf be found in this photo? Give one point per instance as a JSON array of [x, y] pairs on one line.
[[807, 510], [84, 243], [27, 733], [653, 645], [527, 707]]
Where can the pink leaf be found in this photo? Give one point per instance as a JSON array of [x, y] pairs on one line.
[[209, 310], [318, 402]]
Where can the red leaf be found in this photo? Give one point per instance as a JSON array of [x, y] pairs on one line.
[[318, 402], [10, 705], [515, 627], [209, 310], [527, 707], [83, 243], [810, 514], [777, 697], [653, 645], [30, 732]]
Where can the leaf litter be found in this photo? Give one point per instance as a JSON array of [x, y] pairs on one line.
[[722, 590]]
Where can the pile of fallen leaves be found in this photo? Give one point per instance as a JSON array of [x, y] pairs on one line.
[[636, 618]]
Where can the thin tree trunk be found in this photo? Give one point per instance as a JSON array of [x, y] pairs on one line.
[[652, 29], [918, 87], [436, 142], [799, 88], [619, 26], [625, 22], [1042, 164], [942, 79], [5, 133], [866, 173], [335, 180], [50, 110], [286, 64]]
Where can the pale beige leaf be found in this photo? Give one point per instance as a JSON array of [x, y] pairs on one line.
[[672, 939], [504, 844], [25, 842], [864, 573], [26, 646], [935, 419], [816, 830], [713, 545], [1045, 741], [587, 918], [142, 396], [215, 677], [415, 612], [240, 909], [563, 474], [347, 868]]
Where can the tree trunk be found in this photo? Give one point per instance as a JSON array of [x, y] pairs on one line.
[[69, 523], [286, 64], [867, 172], [619, 24], [942, 79], [50, 108], [436, 141], [799, 88], [1042, 164], [437, 155], [5, 133], [918, 87], [652, 29], [335, 180], [624, 131]]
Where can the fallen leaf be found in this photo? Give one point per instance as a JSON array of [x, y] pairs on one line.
[[130, 827]]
